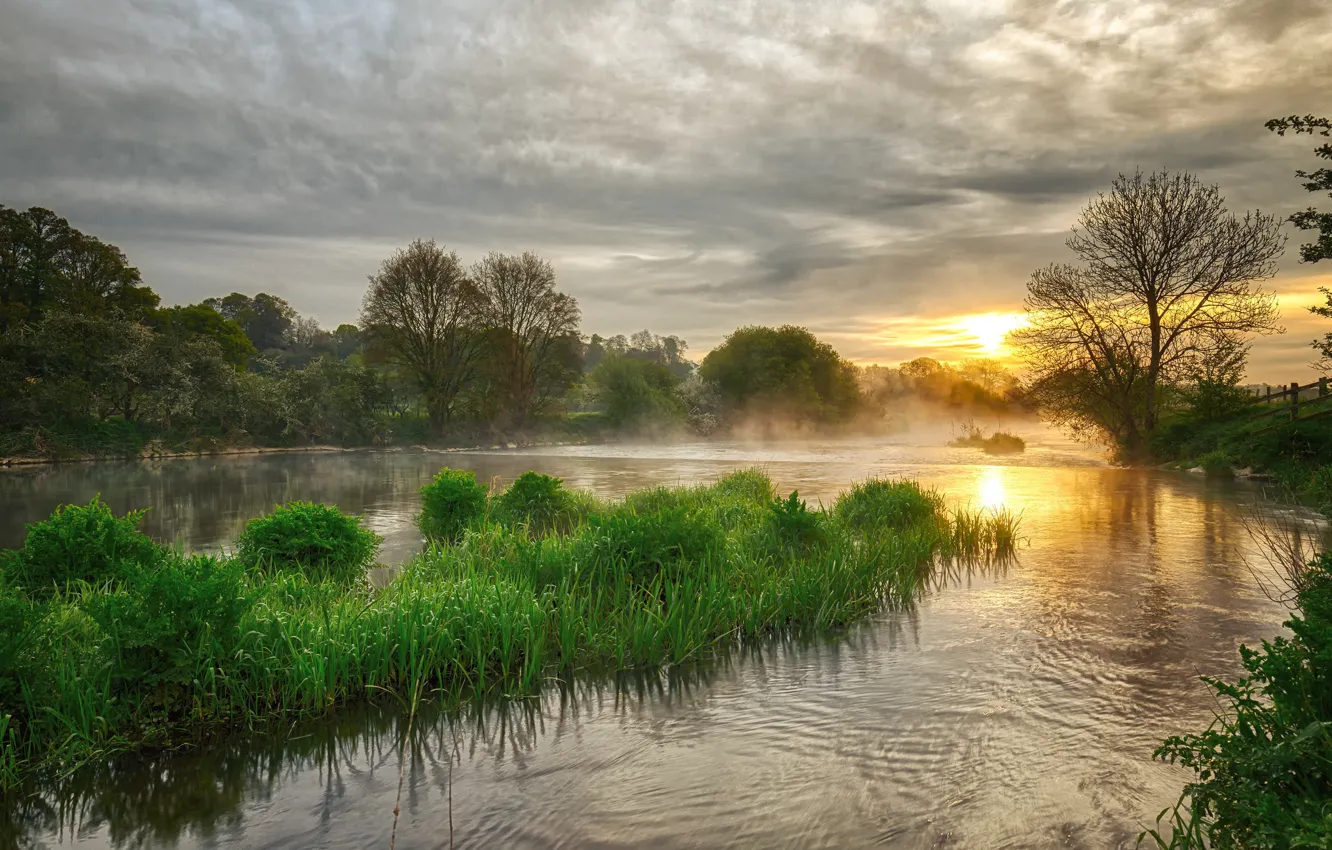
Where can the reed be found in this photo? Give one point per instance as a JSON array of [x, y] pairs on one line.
[[663, 578]]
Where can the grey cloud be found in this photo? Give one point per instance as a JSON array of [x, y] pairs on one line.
[[692, 166]]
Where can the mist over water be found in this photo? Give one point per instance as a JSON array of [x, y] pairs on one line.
[[1010, 708]]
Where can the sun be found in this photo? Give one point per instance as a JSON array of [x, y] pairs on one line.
[[989, 330]]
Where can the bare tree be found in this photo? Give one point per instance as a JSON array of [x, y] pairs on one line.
[[1168, 280], [534, 330], [421, 311]]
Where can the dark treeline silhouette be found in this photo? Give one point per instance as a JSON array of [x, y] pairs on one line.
[[91, 363]]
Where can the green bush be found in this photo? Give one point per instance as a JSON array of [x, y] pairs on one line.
[[452, 501], [795, 526], [887, 504], [1318, 489], [79, 543], [538, 502], [164, 620], [643, 546], [1217, 464], [1262, 775], [318, 540]]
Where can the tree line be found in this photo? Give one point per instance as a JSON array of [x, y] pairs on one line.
[[91, 362]]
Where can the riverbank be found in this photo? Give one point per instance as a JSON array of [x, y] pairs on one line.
[[165, 454], [1295, 456], [154, 648]]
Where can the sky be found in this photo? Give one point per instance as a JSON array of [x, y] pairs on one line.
[[886, 174]]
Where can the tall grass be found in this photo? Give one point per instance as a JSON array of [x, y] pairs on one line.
[[663, 578]]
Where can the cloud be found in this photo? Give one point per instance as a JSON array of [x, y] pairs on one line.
[[689, 166]]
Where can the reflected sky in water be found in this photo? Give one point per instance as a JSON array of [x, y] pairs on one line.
[[1016, 708]]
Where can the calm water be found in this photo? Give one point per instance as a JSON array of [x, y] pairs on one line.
[[1016, 709]]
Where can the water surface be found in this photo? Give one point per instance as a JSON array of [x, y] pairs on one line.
[[1016, 708]]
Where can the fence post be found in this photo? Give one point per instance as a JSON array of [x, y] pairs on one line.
[[1294, 401], [1322, 386], [1269, 394]]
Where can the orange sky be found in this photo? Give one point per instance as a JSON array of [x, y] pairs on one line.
[[1275, 359]]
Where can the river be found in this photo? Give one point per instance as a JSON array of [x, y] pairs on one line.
[[1014, 708]]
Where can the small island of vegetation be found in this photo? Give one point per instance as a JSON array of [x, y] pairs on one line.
[[111, 642], [998, 443]]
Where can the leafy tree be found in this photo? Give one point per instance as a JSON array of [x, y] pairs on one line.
[[421, 312], [637, 394], [266, 319], [784, 370], [1311, 219], [201, 320], [533, 333], [1168, 279], [45, 264]]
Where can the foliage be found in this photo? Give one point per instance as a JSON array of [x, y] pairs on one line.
[[1315, 181], [648, 546], [532, 331], [1217, 464], [79, 543], [45, 264], [451, 502], [265, 319], [795, 526], [637, 395], [537, 502], [1261, 768], [659, 579], [1167, 281], [783, 372], [1000, 442], [201, 320], [314, 539], [886, 504], [644, 346], [422, 312], [161, 616], [1317, 488]]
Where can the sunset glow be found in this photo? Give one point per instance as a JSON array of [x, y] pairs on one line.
[[990, 330]]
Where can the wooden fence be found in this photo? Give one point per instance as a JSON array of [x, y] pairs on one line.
[[1294, 401]]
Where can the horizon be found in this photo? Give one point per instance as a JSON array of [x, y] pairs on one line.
[[886, 178]]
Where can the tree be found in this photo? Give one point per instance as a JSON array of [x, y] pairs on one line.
[[533, 331], [421, 312], [1168, 280], [266, 319], [636, 394], [45, 264], [782, 371], [201, 320], [1312, 219]]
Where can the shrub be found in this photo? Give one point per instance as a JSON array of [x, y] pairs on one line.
[[319, 540], [449, 503], [887, 504], [162, 621], [1318, 489], [795, 526], [1261, 768], [537, 501], [643, 546], [80, 543], [1217, 464]]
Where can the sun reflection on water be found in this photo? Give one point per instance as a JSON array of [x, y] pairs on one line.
[[990, 488]]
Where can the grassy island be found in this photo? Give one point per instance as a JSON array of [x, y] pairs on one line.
[[112, 642]]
